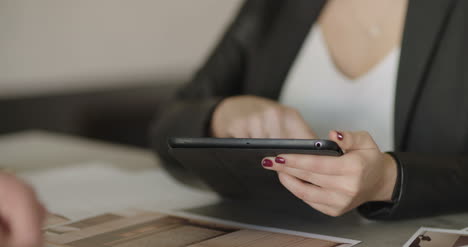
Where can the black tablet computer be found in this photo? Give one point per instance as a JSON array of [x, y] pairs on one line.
[[232, 167]]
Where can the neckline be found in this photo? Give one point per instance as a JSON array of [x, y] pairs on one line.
[[374, 69]]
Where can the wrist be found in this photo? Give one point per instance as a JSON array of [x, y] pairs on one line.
[[389, 179]]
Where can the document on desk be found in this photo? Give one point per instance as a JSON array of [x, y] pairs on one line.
[[74, 193], [434, 237], [55, 219], [137, 228]]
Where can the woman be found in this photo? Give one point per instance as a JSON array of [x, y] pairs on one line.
[[395, 69]]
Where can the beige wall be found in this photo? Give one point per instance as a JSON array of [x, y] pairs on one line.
[[57, 45]]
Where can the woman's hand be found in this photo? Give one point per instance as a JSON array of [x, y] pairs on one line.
[[336, 185], [21, 214], [255, 117]]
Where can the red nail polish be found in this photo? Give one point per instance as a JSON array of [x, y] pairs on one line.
[[339, 135], [280, 160], [267, 163]]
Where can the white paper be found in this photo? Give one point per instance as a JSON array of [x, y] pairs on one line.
[[346, 242], [93, 188]]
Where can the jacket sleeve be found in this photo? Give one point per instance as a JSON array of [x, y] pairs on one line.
[[428, 185], [222, 75]]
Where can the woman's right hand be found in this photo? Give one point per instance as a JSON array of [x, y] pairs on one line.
[[256, 117]]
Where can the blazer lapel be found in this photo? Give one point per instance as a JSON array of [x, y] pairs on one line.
[[425, 23], [275, 58]]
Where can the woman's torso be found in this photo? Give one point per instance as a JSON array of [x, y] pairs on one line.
[[328, 99], [344, 76]]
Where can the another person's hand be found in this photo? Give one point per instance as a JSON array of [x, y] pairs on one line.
[[256, 117], [21, 214], [336, 185]]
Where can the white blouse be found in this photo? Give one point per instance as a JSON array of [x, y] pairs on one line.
[[328, 100]]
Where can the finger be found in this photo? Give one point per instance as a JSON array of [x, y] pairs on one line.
[[349, 141], [24, 218], [237, 130], [272, 125], [255, 128], [296, 127], [325, 165], [307, 192], [324, 181]]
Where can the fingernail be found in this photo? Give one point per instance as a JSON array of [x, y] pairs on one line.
[[280, 160], [267, 163], [339, 135]]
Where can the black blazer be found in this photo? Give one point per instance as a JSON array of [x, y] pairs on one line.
[[431, 109]]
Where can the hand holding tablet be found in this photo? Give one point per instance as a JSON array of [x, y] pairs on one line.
[[315, 171], [232, 167], [336, 185]]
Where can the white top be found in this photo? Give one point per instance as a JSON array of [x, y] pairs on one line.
[[328, 100]]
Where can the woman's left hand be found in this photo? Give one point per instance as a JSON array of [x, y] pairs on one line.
[[336, 185]]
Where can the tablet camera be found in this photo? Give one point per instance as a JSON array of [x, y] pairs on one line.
[[318, 145]]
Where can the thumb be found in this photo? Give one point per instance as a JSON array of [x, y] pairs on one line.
[[349, 141]]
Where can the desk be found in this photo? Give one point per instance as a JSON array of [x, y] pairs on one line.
[[29, 151]]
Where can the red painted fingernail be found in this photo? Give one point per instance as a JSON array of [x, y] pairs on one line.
[[339, 135], [280, 160], [267, 163]]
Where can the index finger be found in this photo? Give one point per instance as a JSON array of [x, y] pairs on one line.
[[326, 165]]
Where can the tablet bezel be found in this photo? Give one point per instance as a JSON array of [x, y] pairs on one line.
[[257, 143]]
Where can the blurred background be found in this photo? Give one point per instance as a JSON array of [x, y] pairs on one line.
[[100, 69]]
